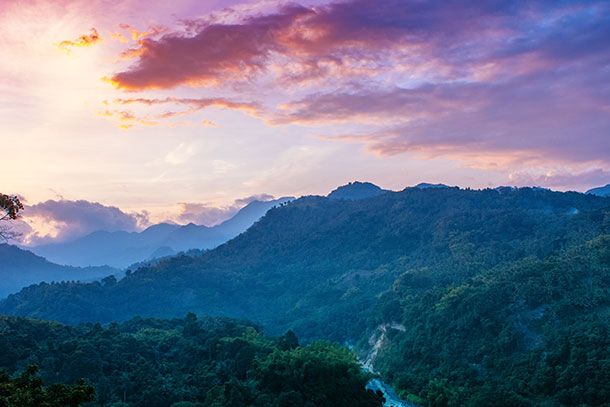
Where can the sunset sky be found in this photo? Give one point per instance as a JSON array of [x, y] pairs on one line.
[[119, 114]]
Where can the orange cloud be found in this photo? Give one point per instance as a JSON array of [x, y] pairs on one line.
[[196, 105], [82, 41], [126, 119], [118, 36], [136, 35]]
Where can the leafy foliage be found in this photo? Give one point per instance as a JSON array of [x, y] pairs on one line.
[[187, 362], [27, 391], [529, 333]]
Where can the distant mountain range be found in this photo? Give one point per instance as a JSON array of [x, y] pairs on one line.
[[121, 249], [600, 191], [21, 268]]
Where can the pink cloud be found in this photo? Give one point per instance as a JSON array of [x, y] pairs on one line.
[[127, 119], [562, 178]]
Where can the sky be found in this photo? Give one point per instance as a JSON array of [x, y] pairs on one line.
[[115, 115]]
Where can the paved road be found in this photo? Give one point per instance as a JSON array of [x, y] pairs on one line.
[[391, 398]]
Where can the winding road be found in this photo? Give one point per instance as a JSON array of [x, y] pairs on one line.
[[377, 384]]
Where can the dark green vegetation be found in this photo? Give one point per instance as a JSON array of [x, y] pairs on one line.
[[504, 294], [532, 333], [27, 390], [182, 363]]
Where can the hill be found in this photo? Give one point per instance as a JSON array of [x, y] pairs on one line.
[[601, 191], [356, 190], [121, 249], [483, 285], [21, 268]]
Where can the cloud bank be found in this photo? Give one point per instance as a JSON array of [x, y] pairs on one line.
[[490, 84], [66, 220]]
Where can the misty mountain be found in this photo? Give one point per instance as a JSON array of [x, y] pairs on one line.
[[21, 268], [600, 191], [121, 249], [356, 190]]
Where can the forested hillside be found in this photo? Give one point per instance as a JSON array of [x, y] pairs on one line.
[[502, 292], [530, 333], [186, 362]]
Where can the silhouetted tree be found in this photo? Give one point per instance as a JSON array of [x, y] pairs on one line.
[[9, 210]]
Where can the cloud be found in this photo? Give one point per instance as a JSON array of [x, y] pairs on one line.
[[210, 215], [85, 40], [181, 154], [562, 178], [444, 39], [137, 35], [195, 104], [551, 117], [127, 118], [486, 83], [65, 220]]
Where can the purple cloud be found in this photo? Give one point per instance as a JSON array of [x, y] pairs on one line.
[[450, 39], [488, 83], [562, 179], [554, 117]]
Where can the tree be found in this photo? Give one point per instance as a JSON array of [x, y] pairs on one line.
[[9, 210], [28, 390], [288, 341]]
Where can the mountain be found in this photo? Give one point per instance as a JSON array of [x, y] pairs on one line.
[[21, 268], [356, 190], [121, 249], [475, 297], [425, 185], [322, 254], [601, 191]]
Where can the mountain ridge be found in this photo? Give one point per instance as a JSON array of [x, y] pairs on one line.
[[600, 191], [121, 249], [20, 268]]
